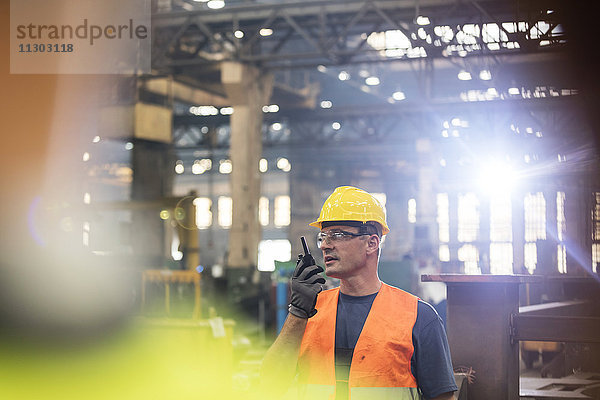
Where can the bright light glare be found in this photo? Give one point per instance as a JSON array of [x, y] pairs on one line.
[[336, 126], [514, 90], [326, 104], [238, 34], [86, 156], [497, 178], [96, 139], [276, 126], [266, 32]]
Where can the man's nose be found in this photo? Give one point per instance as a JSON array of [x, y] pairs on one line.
[[326, 243]]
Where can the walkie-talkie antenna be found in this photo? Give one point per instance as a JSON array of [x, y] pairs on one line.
[[304, 245]]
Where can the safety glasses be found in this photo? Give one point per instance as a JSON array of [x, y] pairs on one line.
[[337, 236]]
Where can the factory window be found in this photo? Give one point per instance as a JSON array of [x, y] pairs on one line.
[[535, 227], [271, 250], [595, 257], [263, 211], [444, 252], [561, 226], [501, 249], [501, 258], [468, 217], [412, 211], [561, 257], [203, 212], [470, 256], [225, 205], [535, 217], [596, 232], [282, 212]]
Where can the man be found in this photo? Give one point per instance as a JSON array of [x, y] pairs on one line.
[[365, 339]]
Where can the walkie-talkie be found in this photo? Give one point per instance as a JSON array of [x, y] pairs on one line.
[[306, 259]]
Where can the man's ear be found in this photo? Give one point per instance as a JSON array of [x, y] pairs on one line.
[[373, 244]]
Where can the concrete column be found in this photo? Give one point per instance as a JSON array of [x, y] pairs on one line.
[[152, 180], [248, 90]]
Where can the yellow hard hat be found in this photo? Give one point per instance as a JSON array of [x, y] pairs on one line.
[[348, 203]]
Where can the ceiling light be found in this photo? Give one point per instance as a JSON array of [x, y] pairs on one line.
[[372, 81], [197, 168], [321, 68], [398, 96], [514, 91], [464, 76], [263, 165], [336, 126], [485, 75], [283, 164], [422, 20], [326, 104], [179, 167], [276, 126], [215, 4], [343, 76], [238, 34], [266, 32], [225, 166]]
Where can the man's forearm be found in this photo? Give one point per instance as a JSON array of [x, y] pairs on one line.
[[279, 364]]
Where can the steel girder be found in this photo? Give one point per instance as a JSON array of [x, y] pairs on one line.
[[529, 121], [337, 32]]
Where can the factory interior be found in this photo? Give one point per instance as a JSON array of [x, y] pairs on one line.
[[152, 220]]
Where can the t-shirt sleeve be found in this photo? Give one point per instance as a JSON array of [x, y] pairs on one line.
[[431, 362]]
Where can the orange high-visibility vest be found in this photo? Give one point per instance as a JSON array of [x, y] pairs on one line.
[[380, 366]]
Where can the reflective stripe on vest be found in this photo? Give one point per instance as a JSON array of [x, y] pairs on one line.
[[381, 362]]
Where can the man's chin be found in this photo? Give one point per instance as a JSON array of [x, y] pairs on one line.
[[332, 273]]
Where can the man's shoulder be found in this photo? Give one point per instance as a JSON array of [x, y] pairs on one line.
[[399, 292], [425, 314]]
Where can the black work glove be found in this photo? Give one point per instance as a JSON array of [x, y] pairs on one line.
[[305, 285]]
